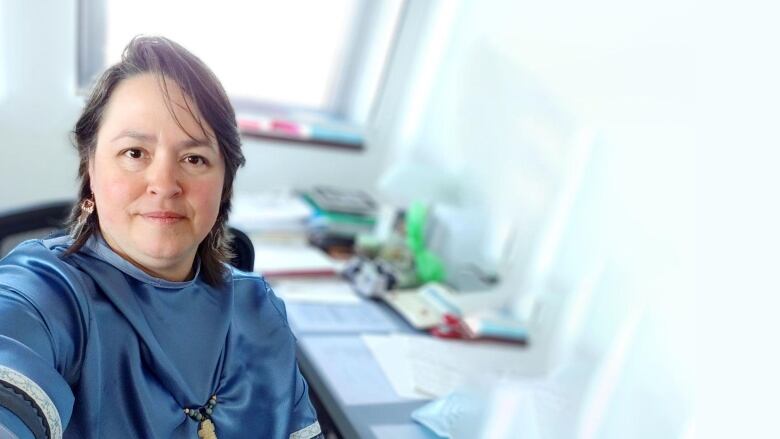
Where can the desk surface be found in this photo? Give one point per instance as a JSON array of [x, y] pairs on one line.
[[343, 374]]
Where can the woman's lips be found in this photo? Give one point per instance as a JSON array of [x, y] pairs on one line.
[[163, 217]]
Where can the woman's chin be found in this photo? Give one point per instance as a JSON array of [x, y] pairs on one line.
[[165, 264], [168, 255]]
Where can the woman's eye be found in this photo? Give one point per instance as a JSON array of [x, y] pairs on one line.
[[195, 160], [134, 153]]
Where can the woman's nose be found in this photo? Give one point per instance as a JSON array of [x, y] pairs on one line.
[[162, 178]]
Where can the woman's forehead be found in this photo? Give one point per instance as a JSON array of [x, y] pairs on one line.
[[151, 104]]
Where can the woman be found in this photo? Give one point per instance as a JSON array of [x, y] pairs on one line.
[[133, 325]]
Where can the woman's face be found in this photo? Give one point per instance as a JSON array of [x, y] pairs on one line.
[[157, 192]]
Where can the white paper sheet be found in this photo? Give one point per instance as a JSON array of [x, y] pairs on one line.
[[271, 260], [351, 372], [396, 368], [423, 365], [316, 291], [277, 210], [323, 318]]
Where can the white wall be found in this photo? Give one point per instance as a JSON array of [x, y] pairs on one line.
[[518, 80], [38, 108]]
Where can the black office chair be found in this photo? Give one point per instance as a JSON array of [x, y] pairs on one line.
[[49, 219], [243, 251], [18, 225]]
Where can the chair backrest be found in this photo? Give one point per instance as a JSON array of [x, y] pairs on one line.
[[42, 220], [243, 251], [37, 221]]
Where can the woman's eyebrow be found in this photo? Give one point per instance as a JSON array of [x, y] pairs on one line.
[[137, 135], [150, 138], [193, 143]]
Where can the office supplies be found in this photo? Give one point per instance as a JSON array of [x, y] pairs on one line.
[[495, 326], [484, 326], [424, 308], [451, 327], [427, 264], [328, 230], [370, 278], [415, 308], [344, 201]]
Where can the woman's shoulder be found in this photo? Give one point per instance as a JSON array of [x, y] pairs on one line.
[[55, 245], [39, 256], [37, 272], [254, 295], [247, 282]]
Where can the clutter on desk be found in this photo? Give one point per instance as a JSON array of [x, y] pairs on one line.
[[491, 326], [339, 216], [335, 200], [427, 264], [451, 314], [399, 261], [370, 278], [423, 307], [415, 308], [323, 216], [276, 216]]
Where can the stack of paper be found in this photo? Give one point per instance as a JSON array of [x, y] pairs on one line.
[[335, 290], [293, 260], [275, 216]]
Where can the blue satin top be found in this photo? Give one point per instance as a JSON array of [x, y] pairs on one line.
[[93, 347]]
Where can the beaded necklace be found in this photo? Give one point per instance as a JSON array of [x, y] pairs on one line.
[[206, 428]]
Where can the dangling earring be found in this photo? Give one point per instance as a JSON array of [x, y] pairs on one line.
[[87, 208]]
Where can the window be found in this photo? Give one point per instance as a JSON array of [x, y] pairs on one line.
[[296, 70]]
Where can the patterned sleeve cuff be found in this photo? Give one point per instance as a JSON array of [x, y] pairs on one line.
[[30, 403], [309, 432]]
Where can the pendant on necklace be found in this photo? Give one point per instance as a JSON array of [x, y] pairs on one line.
[[206, 428]]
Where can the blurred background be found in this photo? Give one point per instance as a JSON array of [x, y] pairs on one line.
[[555, 144]]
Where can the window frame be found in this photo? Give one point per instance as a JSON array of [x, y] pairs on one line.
[[346, 115]]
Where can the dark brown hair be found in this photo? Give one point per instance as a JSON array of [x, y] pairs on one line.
[[168, 61]]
